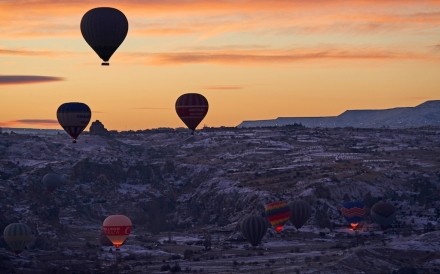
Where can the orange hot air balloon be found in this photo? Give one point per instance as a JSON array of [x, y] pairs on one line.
[[117, 228]]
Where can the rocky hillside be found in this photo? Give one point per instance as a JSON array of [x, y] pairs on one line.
[[426, 114]]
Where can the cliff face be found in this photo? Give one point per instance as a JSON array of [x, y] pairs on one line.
[[426, 114]]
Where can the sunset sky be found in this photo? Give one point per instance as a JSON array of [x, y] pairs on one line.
[[251, 59]]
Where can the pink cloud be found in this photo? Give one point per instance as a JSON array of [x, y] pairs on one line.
[[30, 122], [246, 57]]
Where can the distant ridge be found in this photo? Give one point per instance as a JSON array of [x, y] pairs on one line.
[[425, 114]]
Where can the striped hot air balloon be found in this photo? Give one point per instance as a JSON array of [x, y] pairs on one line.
[[354, 212], [74, 118], [277, 213], [104, 29], [17, 236], [300, 212], [383, 213], [192, 108], [253, 228], [117, 228]]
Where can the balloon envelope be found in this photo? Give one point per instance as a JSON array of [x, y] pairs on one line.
[[104, 29], [117, 228], [192, 108], [277, 213], [52, 181], [17, 236], [253, 229], [74, 118], [353, 211], [383, 213], [300, 212]]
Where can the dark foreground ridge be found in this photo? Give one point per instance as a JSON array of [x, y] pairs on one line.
[[185, 197]]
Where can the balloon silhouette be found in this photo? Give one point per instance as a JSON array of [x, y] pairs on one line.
[[192, 108], [117, 228], [52, 181], [277, 213], [17, 236], [253, 228], [300, 212], [104, 29], [383, 213], [74, 118]]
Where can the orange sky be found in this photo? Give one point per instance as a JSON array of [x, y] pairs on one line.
[[250, 59]]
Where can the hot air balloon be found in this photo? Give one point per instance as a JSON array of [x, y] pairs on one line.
[[17, 236], [52, 181], [117, 228], [74, 118], [354, 212], [383, 213], [253, 229], [300, 212], [192, 108], [277, 213], [104, 29]]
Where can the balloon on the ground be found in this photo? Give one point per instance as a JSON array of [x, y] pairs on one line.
[[104, 29], [191, 109], [277, 213], [253, 228], [300, 212], [117, 228], [354, 212], [383, 214], [51, 181], [17, 236], [74, 118]]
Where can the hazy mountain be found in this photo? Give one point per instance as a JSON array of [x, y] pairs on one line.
[[426, 114]]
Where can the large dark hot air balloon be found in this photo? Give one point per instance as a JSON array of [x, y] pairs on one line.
[[52, 181], [383, 214], [354, 212], [74, 118], [117, 228], [300, 212], [17, 236], [253, 228], [277, 213], [192, 108], [104, 29]]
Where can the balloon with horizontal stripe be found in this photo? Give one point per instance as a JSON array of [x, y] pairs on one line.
[[354, 212], [104, 29], [383, 213], [300, 212], [117, 228], [277, 213], [51, 181], [17, 236], [253, 228], [192, 109], [74, 118]]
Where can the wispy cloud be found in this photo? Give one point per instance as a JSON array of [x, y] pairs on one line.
[[27, 52], [27, 79], [30, 18], [30, 122], [276, 56]]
